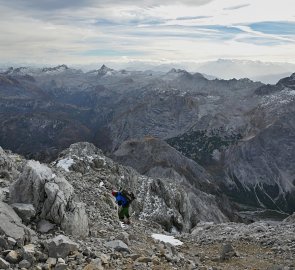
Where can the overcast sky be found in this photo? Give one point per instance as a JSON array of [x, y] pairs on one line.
[[89, 31]]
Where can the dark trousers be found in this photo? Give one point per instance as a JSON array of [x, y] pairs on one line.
[[123, 212]]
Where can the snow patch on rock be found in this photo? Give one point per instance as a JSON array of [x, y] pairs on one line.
[[167, 239], [65, 163]]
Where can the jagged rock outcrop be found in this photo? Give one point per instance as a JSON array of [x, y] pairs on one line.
[[11, 225], [5, 162], [25, 211], [52, 197], [167, 202], [10, 165], [174, 206]]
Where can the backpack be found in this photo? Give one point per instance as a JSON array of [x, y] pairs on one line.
[[128, 195]]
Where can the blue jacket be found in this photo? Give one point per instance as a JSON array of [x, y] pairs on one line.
[[121, 200]]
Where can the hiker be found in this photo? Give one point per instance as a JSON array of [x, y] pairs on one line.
[[123, 199]]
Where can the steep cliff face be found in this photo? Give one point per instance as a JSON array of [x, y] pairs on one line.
[[260, 169]]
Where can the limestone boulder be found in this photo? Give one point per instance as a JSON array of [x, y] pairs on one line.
[[25, 211], [44, 226], [11, 225], [60, 246], [52, 197]]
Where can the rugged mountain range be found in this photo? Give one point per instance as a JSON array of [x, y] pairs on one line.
[[266, 72], [240, 131]]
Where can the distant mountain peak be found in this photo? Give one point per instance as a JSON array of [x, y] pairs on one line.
[[183, 74], [57, 68], [104, 67], [104, 70], [177, 71]]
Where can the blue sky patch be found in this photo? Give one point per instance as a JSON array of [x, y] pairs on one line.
[[275, 28]]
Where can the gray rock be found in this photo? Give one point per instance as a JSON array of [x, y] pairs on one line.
[[76, 221], [25, 211], [61, 266], [46, 266], [3, 243], [44, 226], [4, 264], [12, 226], [24, 264], [6, 165], [11, 242], [60, 260], [4, 194], [51, 261], [51, 196], [60, 246], [13, 257], [28, 253], [227, 252], [118, 245], [41, 257]]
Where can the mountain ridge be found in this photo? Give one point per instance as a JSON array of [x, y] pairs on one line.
[[207, 120]]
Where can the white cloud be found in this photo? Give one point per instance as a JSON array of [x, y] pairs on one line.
[[89, 31]]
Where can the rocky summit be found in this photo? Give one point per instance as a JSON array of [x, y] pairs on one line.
[[62, 215]]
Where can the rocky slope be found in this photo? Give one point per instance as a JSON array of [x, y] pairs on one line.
[[162, 200], [39, 239]]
